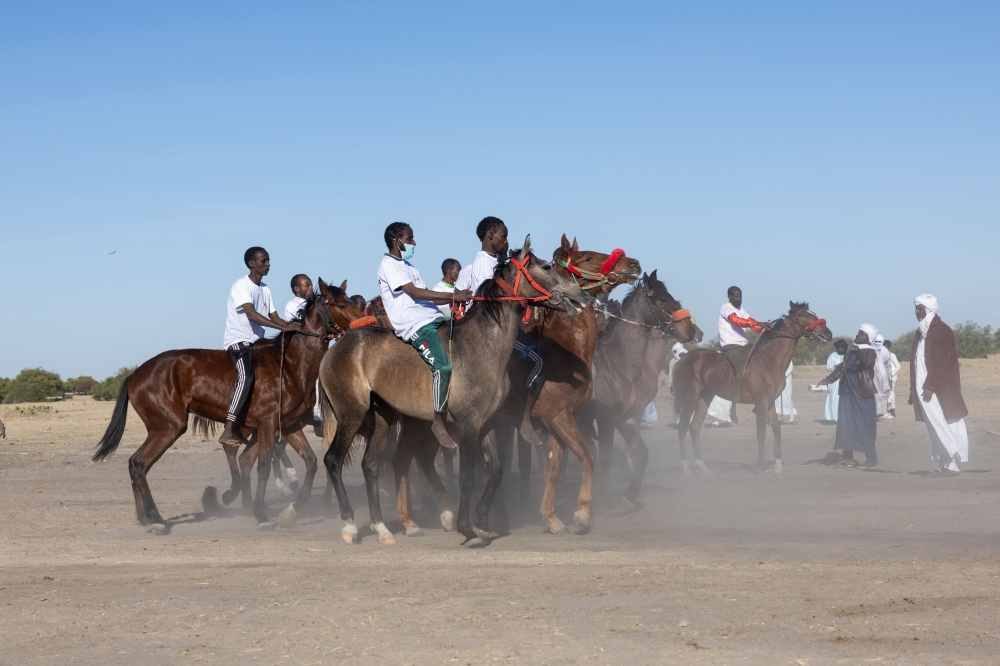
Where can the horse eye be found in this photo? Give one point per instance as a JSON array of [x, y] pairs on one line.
[[341, 306], [546, 267]]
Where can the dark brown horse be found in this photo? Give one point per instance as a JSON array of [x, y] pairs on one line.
[[166, 388], [566, 345], [700, 375], [620, 364], [371, 370]]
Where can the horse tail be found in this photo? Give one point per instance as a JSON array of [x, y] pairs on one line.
[[204, 426], [327, 416], [113, 435]]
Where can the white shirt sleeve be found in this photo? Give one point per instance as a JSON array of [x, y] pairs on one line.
[[241, 293], [395, 274]]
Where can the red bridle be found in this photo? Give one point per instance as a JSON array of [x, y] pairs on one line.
[[458, 309]]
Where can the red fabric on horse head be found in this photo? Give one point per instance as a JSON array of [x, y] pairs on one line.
[[818, 322], [613, 258], [364, 321]]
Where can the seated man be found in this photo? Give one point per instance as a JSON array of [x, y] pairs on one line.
[[732, 320], [411, 310]]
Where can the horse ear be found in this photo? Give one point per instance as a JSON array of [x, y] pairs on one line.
[[576, 247], [526, 248], [322, 285], [564, 244], [343, 286], [644, 276], [652, 276], [791, 306]]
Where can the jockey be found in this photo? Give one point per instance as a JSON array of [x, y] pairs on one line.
[[302, 287], [733, 319], [250, 309], [449, 275], [492, 233], [413, 313]]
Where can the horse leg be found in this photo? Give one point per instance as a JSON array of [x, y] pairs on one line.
[[234, 470], [761, 411], [247, 459], [697, 421], [400, 466], [566, 430], [467, 454], [524, 454], [605, 451], [370, 464], [347, 428], [301, 445], [425, 455], [634, 439], [156, 444], [494, 474], [776, 429], [265, 446], [553, 466], [449, 465]]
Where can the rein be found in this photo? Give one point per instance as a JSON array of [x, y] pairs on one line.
[[458, 309], [663, 327], [601, 279], [808, 334]]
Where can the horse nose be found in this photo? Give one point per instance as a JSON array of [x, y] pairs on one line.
[[632, 263]]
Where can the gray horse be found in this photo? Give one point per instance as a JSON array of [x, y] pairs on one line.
[[371, 372]]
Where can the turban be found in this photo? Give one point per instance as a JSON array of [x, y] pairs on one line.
[[928, 301], [678, 350], [871, 331]]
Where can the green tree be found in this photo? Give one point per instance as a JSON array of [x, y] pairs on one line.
[[4, 387], [108, 389], [33, 385], [80, 385]]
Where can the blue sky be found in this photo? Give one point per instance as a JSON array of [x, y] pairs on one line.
[[840, 153]]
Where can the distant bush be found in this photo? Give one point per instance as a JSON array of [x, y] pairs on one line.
[[108, 389], [4, 387], [33, 385], [971, 341], [80, 385]]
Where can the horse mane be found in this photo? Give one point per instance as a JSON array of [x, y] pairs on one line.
[[640, 284], [275, 342]]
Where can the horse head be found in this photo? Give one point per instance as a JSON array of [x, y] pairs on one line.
[[339, 308], [804, 322], [665, 312], [565, 295], [595, 272]]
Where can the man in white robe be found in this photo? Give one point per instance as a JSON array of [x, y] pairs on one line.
[[882, 384], [783, 406], [936, 388], [833, 389], [893, 366]]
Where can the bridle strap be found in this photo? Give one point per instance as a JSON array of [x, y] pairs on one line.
[[458, 309]]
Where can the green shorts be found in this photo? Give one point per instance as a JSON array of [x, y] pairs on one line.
[[428, 343]]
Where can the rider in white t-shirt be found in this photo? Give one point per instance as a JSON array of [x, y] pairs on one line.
[[250, 309], [412, 311], [732, 339], [449, 274], [302, 287]]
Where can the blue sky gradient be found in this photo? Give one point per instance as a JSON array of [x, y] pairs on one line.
[[845, 154]]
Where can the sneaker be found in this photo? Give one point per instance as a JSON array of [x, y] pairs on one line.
[[888, 416], [953, 468], [869, 465], [844, 463]]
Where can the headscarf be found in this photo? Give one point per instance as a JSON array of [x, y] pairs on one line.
[[678, 350], [931, 305], [882, 384]]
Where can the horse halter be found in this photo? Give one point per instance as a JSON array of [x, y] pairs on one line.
[[527, 301], [601, 279], [807, 331]]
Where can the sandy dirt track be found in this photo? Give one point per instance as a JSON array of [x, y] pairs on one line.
[[815, 566]]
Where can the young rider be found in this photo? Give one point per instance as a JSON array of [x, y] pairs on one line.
[[449, 274], [732, 338], [492, 233], [413, 314], [302, 287], [250, 309]]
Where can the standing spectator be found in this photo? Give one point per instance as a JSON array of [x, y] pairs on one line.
[[936, 387], [678, 351], [833, 390], [883, 386], [784, 407], [856, 417], [893, 374]]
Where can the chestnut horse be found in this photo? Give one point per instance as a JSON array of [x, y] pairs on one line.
[[566, 345], [164, 389], [620, 364], [371, 369], [702, 374]]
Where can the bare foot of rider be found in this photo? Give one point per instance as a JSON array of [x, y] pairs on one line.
[[229, 437], [439, 430]]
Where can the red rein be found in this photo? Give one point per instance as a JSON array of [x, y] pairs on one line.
[[458, 309]]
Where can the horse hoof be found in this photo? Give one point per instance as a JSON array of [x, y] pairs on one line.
[[414, 531], [581, 528], [777, 466], [476, 542], [685, 470], [387, 540], [287, 517], [350, 537], [703, 468], [158, 528], [558, 529], [484, 535], [229, 496], [448, 521]]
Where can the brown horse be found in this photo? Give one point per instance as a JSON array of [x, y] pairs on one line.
[[371, 370], [566, 344], [701, 375], [620, 363], [164, 389]]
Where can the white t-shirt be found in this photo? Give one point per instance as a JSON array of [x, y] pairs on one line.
[[405, 314], [479, 271], [238, 326], [730, 333], [294, 307], [444, 288]]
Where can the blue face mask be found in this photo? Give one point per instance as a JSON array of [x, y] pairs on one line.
[[407, 252]]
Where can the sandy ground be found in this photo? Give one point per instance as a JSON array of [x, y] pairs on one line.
[[815, 566]]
